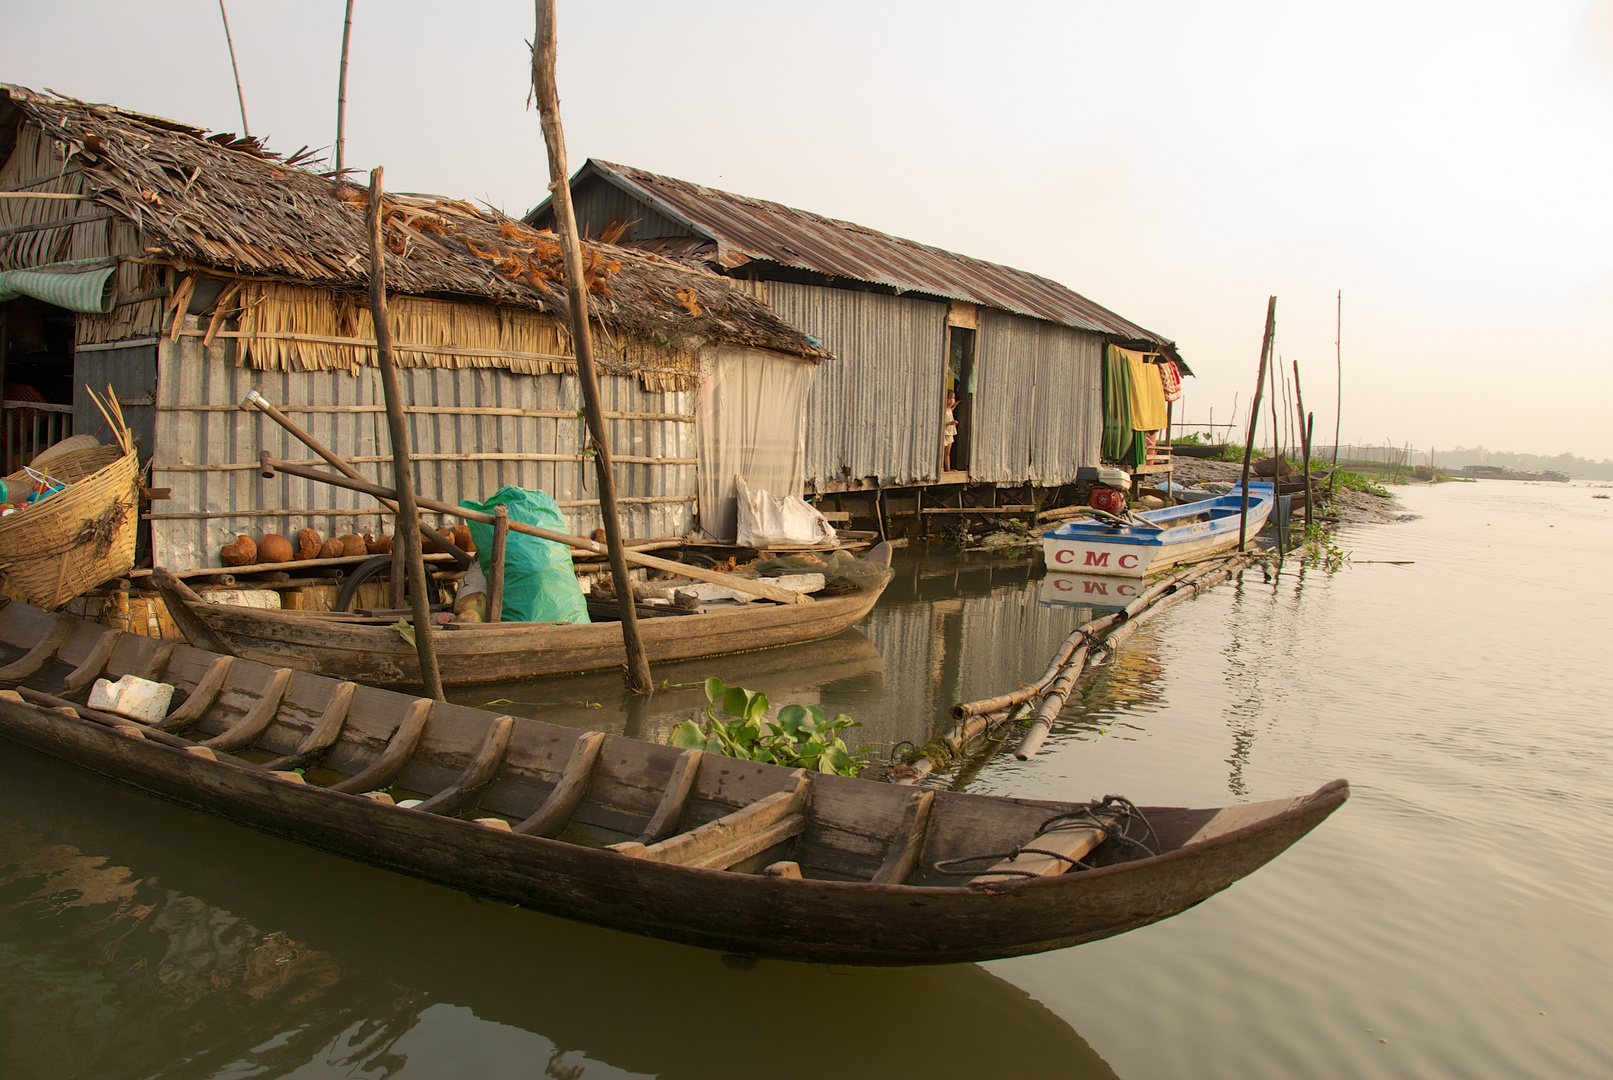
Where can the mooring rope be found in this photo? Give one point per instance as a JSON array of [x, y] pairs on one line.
[[1116, 825]]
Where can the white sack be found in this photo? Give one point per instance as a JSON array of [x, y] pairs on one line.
[[767, 520]]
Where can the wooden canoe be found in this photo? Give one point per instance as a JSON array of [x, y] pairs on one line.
[[370, 650], [697, 848]]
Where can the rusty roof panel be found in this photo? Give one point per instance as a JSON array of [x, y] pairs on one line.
[[747, 229]]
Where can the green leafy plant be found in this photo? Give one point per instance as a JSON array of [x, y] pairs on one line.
[[1318, 548], [799, 738]]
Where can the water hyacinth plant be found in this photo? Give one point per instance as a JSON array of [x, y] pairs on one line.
[[800, 738]]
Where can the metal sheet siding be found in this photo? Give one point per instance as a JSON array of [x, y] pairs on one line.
[[597, 203], [186, 436], [1038, 405], [132, 374], [875, 408]]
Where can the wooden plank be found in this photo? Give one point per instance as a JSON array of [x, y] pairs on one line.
[[478, 774], [90, 668], [782, 869], [1070, 840], [1232, 818], [28, 664], [670, 809], [201, 699], [396, 755], [909, 842], [752, 845], [550, 818], [725, 834], [157, 665], [325, 732], [244, 732]]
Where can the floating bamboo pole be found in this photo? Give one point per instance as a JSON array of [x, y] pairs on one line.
[[408, 527], [547, 92]]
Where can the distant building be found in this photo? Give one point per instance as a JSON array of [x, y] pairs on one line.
[[905, 323]]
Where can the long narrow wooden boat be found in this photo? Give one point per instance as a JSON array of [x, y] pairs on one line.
[[1157, 539], [677, 844], [371, 650]]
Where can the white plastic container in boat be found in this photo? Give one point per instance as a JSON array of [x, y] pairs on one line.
[[134, 697]]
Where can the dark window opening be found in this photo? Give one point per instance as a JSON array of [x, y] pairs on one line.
[[957, 400]]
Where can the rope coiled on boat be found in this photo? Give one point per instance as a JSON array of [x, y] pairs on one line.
[[1118, 813]]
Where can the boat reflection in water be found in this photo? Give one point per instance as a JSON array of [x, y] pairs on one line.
[[1091, 591], [142, 939]]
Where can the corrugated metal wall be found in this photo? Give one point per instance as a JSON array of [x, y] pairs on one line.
[[132, 374], [876, 407], [1038, 408], [199, 425]]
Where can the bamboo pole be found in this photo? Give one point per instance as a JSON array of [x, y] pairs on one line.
[[1276, 459], [1254, 423], [239, 96], [547, 93], [408, 528], [495, 563], [341, 91], [256, 399], [1338, 358], [750, 586], [1305, 442]]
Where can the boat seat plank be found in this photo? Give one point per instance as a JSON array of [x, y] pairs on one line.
[[28, 664], [89, 669], [909, 843], [155, 666], [1069, 840], [325, 732], [732, 837], [550, 818], [670, 810], [201, 698], [245, 731], [477, 775], [396, 755]]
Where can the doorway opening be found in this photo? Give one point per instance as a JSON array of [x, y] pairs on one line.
[[957, 400]]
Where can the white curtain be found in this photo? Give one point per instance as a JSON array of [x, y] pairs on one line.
[[750, 416]]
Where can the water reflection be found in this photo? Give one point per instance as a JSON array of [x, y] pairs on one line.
[[142, 939]]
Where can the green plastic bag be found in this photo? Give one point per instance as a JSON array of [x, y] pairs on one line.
[[539, 583]]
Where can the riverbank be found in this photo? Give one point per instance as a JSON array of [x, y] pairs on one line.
[[1350, 506]]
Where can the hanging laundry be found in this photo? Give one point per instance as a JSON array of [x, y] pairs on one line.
[[1148, 412], [1171, 376]]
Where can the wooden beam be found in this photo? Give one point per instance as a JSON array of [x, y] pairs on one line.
[[399, 749], [245, 731], [734, 837], [665, 819], [904, 853], [325, 732], [90, 668], [201, 698], [28, 664], [1070, 840], [478, 774], [568, 793]]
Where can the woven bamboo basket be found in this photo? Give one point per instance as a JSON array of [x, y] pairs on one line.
[[82, 535]]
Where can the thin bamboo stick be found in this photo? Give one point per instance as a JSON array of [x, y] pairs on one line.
[[239, 96], [1254, 422], [341, 90]]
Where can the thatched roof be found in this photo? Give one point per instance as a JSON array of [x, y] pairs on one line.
[[229, 203]]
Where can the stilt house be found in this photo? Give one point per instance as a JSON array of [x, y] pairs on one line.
[[906, 323], [185, 268]]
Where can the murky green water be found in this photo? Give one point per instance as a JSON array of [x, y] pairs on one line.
[[1454, 919]]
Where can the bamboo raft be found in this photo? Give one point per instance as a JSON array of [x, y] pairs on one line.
[[676, 844]]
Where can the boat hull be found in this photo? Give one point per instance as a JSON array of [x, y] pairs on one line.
[[498, 652], [801, 919], [1132, 552]]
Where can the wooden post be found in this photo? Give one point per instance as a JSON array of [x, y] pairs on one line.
[[341, 92], [1254, 423], [407, 531], [495, 563], [1304, 442], [1338, 359], [1276, 462], [547, 92]]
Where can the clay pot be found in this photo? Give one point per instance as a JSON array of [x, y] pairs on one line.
[[308, 544], [378, 545], [241, 551], [599, 536], [331, 549], [460, 534], [275, 548], [353, 544]]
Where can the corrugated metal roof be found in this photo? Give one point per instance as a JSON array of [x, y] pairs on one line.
[[746, 230]]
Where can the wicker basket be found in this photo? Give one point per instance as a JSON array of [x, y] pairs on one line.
[[80, 536]]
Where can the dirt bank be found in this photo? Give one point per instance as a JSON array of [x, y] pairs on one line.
[[1352, 507]]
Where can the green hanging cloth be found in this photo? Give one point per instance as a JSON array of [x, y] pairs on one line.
[[1119, 440]]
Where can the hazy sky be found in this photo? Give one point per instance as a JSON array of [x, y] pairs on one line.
[[1447, 165]]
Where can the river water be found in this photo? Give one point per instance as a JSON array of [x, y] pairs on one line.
[[1454, 919]]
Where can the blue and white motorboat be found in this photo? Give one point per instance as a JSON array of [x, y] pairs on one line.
[[1155, 539]]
